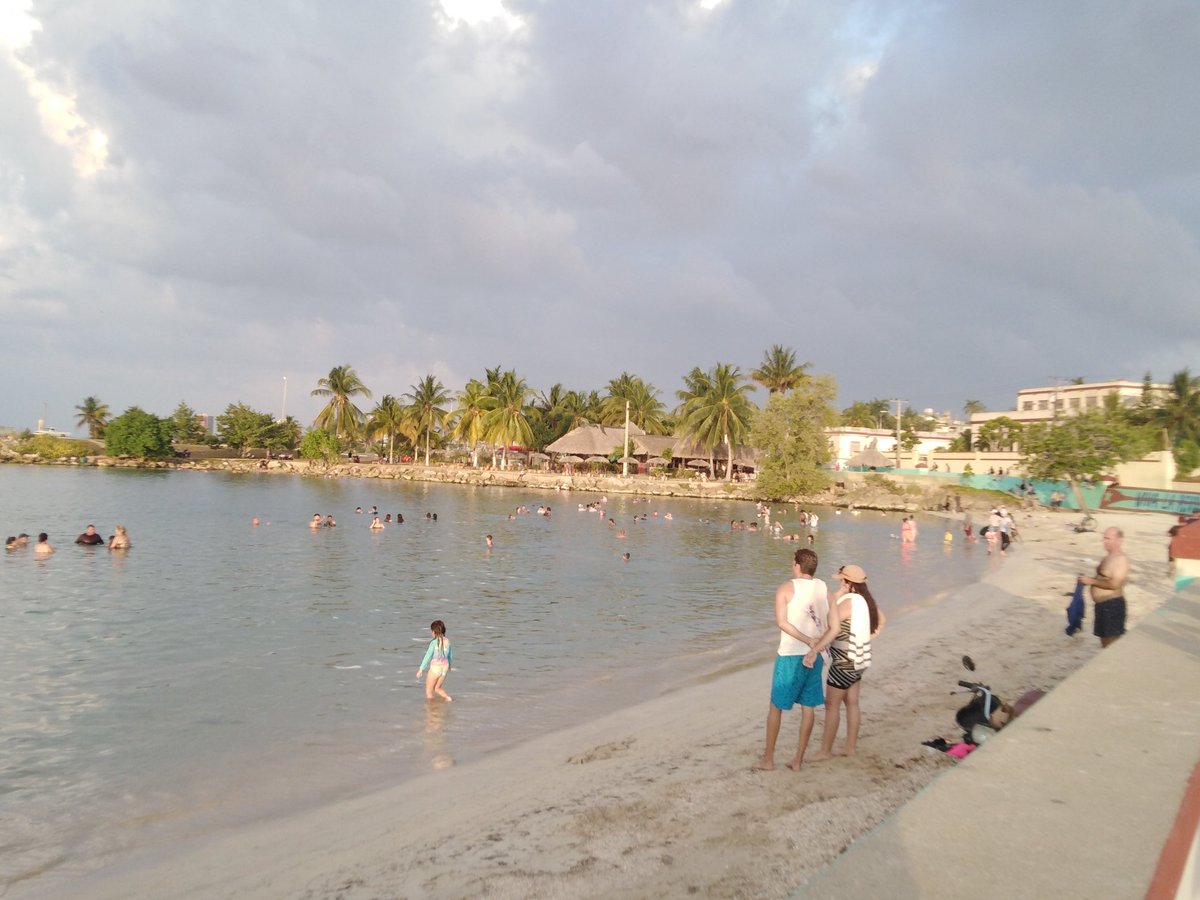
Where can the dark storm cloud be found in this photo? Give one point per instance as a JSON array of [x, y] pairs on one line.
[[937, 200]]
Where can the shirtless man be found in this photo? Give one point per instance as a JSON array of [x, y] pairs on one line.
[[43, 547], [1108, 587]]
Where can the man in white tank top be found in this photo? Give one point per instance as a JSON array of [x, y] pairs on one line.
[[802, 616]]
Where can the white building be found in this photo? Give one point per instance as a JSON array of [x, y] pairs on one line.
[[847, 440], [1044, 404]]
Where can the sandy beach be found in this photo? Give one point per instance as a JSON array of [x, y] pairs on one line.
[[660, 799]]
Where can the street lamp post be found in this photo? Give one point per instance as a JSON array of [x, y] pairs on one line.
[[283, 408], [625, 455]]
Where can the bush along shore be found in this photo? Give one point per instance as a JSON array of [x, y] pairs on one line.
[[850, 490]]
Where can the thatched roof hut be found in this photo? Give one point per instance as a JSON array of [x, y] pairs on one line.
[[593, 440]]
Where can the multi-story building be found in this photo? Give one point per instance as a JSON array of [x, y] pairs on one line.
[[1044, 404]]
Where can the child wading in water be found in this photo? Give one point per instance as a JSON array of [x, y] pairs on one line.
[[438, 659]]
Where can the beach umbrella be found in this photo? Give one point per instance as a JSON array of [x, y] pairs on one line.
[[536, 455], [570, 459], [698, 464], [628, 459], [656, 461], [597, 459]]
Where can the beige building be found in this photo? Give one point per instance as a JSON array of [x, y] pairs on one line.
[[1044, 404]]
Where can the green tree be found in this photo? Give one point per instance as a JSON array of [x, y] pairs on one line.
[[1087, 445], [1000, 433], [388, 420], [426, 407], [320, 446], [467, 418], [560, 411], [506, 420], [869, 414], [94, 415], [1180, 410], [184, 426], [243, 428], [778, 372], [908, 440], [645, 409], [1187, 457], [971, 407], [138, 433], [340, 416], [790, 436], [715, 411]]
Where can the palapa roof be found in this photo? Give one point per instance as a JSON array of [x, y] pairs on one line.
[[593, 440], [870, 457]]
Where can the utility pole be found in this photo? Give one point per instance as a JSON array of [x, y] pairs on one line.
[[625, 455], [283, 408], [898, 402]]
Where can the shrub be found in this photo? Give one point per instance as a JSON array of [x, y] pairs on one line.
[[46, 446]]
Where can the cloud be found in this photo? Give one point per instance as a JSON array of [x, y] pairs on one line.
[[936, 200]]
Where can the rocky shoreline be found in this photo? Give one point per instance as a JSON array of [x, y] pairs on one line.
[[852, 489]]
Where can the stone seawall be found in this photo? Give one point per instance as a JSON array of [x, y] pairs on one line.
[[850, 490]]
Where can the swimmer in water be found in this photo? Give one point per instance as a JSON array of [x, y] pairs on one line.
[[488, 538], [315, 521], [120, 540], [376, 525]]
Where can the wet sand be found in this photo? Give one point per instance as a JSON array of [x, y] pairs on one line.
[[660, 799]]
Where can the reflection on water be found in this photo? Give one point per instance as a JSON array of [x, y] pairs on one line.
[[217, 665]]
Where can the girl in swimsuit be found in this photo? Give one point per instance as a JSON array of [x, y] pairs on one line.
[[438, 659]]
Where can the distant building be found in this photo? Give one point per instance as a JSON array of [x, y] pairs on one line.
[[1045, 404], [847, 441], [207, 423]]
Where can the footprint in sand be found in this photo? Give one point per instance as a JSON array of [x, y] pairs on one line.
[[604, 751]]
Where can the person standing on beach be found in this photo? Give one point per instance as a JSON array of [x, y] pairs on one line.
[[801, 613], [1108, 588], [855, 620], [438, 659]]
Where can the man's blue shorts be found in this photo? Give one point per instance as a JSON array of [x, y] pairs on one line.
[[793, 683]]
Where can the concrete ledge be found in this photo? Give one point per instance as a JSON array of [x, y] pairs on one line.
[[1077, 798]]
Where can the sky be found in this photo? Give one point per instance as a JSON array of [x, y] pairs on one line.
[[938, 201]]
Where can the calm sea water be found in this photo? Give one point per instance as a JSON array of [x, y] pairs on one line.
[[218, 672]]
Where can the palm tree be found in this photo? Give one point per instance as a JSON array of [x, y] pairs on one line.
[[1180, 411], [387, 420], [778, 371], [645, 409], [715, 409], [94, 415], [971, 407], [340, 416], [426, 401], [506, 420], [467, 418]]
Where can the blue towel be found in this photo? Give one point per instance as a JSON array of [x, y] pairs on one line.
[[1075, 610]]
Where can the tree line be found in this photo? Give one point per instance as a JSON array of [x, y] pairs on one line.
[[713, 410]]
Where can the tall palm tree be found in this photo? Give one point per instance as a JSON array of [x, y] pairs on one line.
[[1180, 410], [340, 416], [467, 418], [388, 420], [426, 402], [507, 420], [973, 406], [778, 371], [645, 409], [715, 409], [94, 415]]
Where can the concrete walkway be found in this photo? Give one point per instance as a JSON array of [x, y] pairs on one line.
[[1077, 798]]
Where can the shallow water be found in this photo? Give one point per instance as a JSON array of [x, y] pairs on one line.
[[218, 672]]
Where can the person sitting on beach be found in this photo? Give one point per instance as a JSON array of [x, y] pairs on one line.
[[120, 540], [89, 537], [854, 621], [315, 521], [43, 547], [801, 614]]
